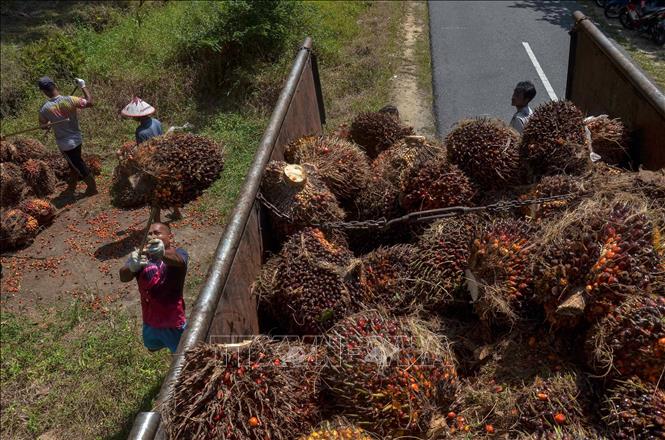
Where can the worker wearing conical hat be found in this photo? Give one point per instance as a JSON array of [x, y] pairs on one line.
[[141, 111], [149, 127]]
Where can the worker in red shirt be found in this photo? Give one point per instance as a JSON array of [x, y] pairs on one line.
[[159, 270]]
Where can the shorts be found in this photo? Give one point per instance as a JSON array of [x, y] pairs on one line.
[[76, 162], [157, 338]]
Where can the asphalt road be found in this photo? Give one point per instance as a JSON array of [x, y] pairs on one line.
[[478, 54]]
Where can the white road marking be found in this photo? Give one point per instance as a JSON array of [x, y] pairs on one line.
[[541, 74]]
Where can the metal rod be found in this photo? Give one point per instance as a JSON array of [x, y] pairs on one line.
[[35, 128], [204, 310]]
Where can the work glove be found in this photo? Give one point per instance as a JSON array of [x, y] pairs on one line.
[[80, 83], [136, 261], [155, 249]]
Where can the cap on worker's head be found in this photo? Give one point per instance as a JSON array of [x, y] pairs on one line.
[[46, 83], [137, 108]]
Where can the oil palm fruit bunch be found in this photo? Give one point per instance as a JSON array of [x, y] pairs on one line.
[[631, 340], [387, 374], [487, 150], [385, 278], [249, 391], [28, 148], [59, 166], [609, 139], [12, 184], [182, 165], [39, 176], [437, 184], [593, 258], [553, 140], [498, 277], [8, 151], [17, 229], [94, 163], [551, 405], [389, 173], [377, 131], [441, 260], [337, 430], [41, 210], [310, 284], [298, 192], [635, 410], [342, 165], [549, 186]]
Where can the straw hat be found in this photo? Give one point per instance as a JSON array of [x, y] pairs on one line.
[[137, 108]]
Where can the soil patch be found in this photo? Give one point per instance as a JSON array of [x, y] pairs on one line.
[[79, 255], [411, 96]]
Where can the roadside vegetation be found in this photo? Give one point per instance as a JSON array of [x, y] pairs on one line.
[[70, 370]]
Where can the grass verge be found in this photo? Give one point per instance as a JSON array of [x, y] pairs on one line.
[[75, 373]]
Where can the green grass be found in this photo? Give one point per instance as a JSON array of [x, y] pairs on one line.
[[79, 373]]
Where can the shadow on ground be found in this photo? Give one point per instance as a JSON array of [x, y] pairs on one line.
[[558, 13]]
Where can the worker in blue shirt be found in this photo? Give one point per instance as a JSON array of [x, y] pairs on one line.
[[140, 110]]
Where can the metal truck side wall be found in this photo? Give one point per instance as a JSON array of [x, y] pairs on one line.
[[603, 80], [224, 310], [236, 313]]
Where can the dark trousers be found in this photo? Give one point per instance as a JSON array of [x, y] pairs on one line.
[[76, 162]]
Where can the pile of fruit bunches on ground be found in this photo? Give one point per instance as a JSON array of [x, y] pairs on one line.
[[29, 174], [545, 320]]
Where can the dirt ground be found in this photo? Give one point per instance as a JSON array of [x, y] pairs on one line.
[[79, 255], [413, 101]]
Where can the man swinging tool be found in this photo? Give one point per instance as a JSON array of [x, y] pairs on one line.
[[148, 128], [54, 114]]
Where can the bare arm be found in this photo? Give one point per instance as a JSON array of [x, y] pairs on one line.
[[126, 275], [43, 122], [172, 258], [88, 97]]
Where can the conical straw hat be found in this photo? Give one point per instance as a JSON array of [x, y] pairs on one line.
[[137, 108]]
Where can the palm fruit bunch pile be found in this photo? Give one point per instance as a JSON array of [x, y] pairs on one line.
[[255, 390], [8, 151], [385, 278], [437, 184], [554, 139], [341, 164], [39, 176], [338, 430], [388, 374], [310, 284], [298, 192], [441, 259], [28, 148], [609, 139], [181, 165], [17, 229], [61, 167], [498, 275], [389, 173], [377, 131], [487, 150], [630, 341], [590, 262], [634, 410], [549, 186], [12, 184], [41, 210]]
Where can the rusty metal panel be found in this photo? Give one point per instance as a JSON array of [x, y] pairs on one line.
[[604, 80], [235, 315], [236, 312]]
